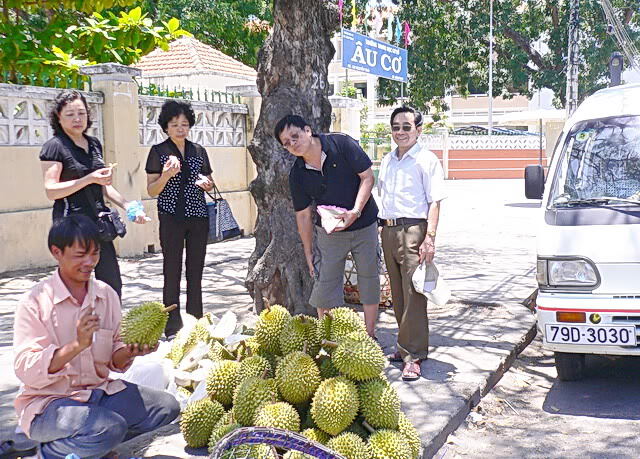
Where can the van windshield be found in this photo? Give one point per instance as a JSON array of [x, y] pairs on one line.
[[599, 164]]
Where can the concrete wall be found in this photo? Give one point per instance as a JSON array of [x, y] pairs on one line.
[[25, 211]]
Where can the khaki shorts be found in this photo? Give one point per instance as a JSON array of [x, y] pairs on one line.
[[328, 290]]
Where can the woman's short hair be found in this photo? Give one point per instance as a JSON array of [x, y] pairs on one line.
[[174, 108], [62, 99], [65, 231]]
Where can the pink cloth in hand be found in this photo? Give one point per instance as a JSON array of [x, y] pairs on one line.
[[329, 217]]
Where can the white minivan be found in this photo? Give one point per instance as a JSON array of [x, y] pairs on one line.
[[588, 242]]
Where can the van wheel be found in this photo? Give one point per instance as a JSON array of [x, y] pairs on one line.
[[570, 366]]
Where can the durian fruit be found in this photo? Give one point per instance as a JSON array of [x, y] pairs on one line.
[[178, 347], [184, 391], [358, 356], [327, 368], [255, 365], [380, 404], [249, 347], [296, 455], [222, 380], [339, 322], [219, 431], [278, 415], [197, 421], [270, 324], [144, 324], [350, 446], [335, 404], [315, 434], [300, 333], [297, 377], [251, 394], [218, 352], [411, 434], [389, 444]]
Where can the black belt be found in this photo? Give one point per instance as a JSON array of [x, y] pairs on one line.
[[400, 221]]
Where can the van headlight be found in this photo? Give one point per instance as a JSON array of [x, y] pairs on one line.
[[567, 272]]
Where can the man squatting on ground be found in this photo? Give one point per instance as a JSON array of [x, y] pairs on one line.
[[66, 339], [333, 170], [411, 186]]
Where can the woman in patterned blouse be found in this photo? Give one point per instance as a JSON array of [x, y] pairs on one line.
[[178, 173]]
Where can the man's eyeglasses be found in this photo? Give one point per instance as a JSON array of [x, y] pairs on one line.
[[405, 127]]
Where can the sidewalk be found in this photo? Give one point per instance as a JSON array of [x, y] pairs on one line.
[[486, 252]]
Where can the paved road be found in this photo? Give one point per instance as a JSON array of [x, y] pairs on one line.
[[530, 414]]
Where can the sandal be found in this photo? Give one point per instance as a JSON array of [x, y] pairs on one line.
[[411, 371], [9, 450], [395, 357]]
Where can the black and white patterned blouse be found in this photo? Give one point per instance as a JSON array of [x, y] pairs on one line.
[[181, 196]]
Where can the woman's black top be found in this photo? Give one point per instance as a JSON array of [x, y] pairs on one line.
[[76, 163], [181, 196]]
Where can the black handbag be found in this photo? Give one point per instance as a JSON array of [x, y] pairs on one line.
[[222, 223], [109, 223]]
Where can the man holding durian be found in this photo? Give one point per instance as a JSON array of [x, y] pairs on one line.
[[66, 340]]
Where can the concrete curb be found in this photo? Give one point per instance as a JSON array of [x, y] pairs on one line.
[[431, 447]]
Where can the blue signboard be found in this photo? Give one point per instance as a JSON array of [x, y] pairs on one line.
[[360, 52]]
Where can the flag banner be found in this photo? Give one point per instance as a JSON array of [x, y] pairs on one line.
[[340, 6], [354, 15], [407, 34], [360, 52]]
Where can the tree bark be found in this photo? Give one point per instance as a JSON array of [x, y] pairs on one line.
[[292, 79]]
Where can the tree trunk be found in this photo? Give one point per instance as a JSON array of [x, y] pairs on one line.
[[292, 79]]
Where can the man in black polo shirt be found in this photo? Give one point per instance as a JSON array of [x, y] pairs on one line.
[[332, 170]]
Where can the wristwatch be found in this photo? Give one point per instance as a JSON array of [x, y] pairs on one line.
[[431, 233], [357, 212]]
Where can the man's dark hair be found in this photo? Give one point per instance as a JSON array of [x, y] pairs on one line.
[[417, 116], [174, 108], [67, 230], [284, 123], [62, 99]]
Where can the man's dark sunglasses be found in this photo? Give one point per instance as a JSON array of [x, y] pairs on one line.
[[404, 127]]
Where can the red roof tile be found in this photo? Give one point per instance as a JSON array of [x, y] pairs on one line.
[[188, 55]]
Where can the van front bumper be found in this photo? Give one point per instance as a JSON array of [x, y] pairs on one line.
[[613, 311]]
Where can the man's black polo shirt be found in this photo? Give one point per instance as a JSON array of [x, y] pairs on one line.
[[338, 183], [76, 163]]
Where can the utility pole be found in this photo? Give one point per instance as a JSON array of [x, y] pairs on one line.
[[573, 57], [490, 120]]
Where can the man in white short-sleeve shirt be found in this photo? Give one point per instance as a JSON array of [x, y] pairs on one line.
[[411, 186]]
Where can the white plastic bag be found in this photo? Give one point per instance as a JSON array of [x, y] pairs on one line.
[[149, 371]]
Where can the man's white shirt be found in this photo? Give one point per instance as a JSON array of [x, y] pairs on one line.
[[407, 186]]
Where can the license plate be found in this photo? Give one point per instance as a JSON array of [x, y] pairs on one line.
[[608, 335]]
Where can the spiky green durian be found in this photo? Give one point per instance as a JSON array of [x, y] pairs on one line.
[[315, 434], [335, 404], [358, 356], [218, 352], [279, 415], [350, 446], [297, 377], [184, 391], [255, 365], [300, 333], [411, 434], [327, 368], [389, 444], [251, 394], [380, 404], [197, 421], [219, 431], [270, 324], [144, 324], [338, 322], [178, 347], [222, 380]]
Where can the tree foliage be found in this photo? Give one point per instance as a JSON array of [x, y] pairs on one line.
[[237, 28], [450, 48], [51, 44]]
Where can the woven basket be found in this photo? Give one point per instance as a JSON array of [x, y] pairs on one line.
[[351, 292]]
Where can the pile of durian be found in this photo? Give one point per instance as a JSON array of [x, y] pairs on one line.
[[323, 379]]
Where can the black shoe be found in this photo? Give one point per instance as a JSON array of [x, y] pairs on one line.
[[11, 450]]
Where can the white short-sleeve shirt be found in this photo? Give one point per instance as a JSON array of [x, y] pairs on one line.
[[407, 186]]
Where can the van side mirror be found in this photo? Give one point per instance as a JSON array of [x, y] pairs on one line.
[[534, 182]]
